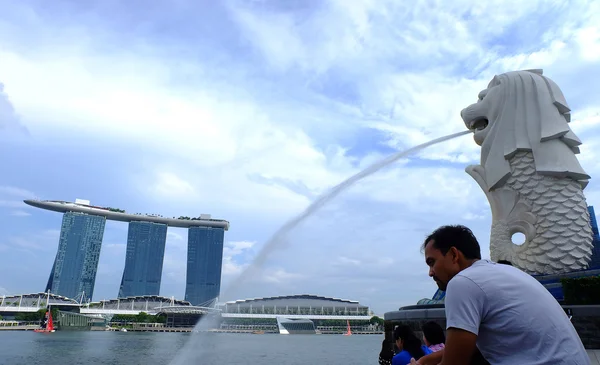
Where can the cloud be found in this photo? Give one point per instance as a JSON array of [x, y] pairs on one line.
[[8, 116], [263, 107], [170, 185], [32, 243], [12, 197], [17, 192], [236, 254], [281, 276], [4, 291], [20, 213]]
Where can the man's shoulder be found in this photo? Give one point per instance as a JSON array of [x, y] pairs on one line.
[[464, 281], [484, 271]]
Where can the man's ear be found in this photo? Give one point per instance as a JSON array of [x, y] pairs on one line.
[[455, 254]]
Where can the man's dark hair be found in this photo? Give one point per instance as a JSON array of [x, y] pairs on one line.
[[457, 236]]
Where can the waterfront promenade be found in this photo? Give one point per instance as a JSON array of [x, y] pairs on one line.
[[159, 327], [18, 326]]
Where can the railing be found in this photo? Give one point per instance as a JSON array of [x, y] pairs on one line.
[[11, 308], [295, 316], [19, 323], [84, 310]]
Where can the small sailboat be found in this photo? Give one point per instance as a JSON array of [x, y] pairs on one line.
[[348, 332], [47, 326]]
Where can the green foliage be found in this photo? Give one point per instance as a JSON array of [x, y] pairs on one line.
[[376, 320], [31, 317], [250, 321], [339, 322], [582, 291]]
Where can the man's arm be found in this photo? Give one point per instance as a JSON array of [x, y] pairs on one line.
[[460, 346], [465, 310], [431, 359]]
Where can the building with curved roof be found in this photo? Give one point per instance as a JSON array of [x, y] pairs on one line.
[[291, 306], [145, 303], [34, 302], [35, 299]]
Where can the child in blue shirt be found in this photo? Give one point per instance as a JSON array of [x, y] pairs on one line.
[[409, 345]]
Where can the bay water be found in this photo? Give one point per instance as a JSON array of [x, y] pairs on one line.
[[137, 348]]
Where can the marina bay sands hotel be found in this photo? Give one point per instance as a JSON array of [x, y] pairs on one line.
[[73, 274]]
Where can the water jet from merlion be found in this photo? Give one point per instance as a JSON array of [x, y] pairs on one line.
[[193, 351]]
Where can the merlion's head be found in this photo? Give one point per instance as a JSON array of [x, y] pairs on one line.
[[524, 111]]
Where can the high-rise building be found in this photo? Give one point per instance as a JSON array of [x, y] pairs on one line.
[[73, 274], [595, 261], [144, 259], [204, 261], [74, 271]]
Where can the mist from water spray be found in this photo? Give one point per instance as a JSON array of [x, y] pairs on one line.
[[278, 239]]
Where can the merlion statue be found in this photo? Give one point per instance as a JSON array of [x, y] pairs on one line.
[[530, 174]]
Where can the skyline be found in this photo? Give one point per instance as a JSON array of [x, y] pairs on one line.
[[249, 110], [75, 267]]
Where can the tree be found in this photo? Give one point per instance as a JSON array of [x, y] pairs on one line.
[[143, 317], [376, 320]]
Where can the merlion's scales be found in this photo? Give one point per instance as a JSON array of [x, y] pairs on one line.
[[530, 174]]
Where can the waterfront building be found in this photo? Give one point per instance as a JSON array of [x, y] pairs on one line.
[[204, 262], [74, 271], [296, 306], [143, 259], [73, 274], [301, 313]]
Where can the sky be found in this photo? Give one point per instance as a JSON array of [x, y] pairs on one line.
[[249, 110]]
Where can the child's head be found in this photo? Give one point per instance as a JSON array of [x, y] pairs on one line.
[[433, 334]]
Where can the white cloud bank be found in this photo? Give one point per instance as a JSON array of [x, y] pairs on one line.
[[252, 130]]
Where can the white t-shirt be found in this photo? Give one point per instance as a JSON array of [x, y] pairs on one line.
[[516, 320]]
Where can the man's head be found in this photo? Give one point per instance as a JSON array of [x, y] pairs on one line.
[[448, 251]]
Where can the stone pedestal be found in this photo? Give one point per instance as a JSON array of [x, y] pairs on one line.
[[585, 318]]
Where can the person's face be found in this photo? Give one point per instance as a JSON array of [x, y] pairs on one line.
[[442, 268]]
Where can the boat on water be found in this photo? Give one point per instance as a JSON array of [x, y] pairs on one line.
[[47, 325], [348, 332], [259, 332]]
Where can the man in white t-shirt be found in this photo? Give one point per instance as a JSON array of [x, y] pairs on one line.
[[499, 309]]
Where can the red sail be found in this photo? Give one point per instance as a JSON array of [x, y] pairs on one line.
[[348, 332], [50, 326]]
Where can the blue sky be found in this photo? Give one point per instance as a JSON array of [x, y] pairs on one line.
[[248, 110]]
